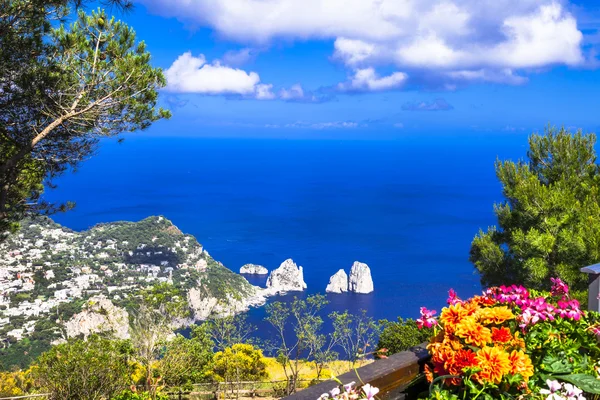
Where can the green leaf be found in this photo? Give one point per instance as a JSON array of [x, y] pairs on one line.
[[556, 365], [587, 383]]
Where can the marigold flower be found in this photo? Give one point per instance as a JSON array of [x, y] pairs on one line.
[[473, 332], [452, 315], [520, 363], [501, 335], [461, 359], [428, 373], [494, 315], [494, 364]]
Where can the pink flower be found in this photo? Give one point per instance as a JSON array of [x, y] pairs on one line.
[[427, 318], [370, 391], [559, 288], [595, 330], [453, 298]]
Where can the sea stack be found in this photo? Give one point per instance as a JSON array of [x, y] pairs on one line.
[[360, 278], [253, 269], [338, 283], [287, 278]]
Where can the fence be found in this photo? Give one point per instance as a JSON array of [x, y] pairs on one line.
[[235, 389]]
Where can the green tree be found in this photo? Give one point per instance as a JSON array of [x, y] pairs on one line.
[[184, 360], [154, 320], [229, 330], [549, 223], [401, 335], [85, 370], [61, 90], [356, 334], [298, 334]]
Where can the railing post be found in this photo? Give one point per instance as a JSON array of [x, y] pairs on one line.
[[593, 272]]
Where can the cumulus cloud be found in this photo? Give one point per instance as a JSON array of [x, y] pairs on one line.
[[189, 74], [435, 105], [455, 38], [366, 79]]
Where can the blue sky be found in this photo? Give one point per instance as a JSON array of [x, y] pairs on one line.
[[347, 67]]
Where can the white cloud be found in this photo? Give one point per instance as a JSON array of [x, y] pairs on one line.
[[239, 57], [189, 74], [367, 80], [484, 37], [325, 125], [293, 93]]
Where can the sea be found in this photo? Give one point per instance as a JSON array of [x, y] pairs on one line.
[[408, 206]]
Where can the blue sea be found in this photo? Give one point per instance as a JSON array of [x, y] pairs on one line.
[[408, 206]]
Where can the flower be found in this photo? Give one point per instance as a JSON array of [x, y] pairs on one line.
[[463, 358], [427, 318], [520, 363], [370, 391], [334, 392], [452, 315], [559, 288], [324, 396], [452, 297], [473, 332], [494, 364], [349, 386], [494, 315], [501, 335], [553, 386]]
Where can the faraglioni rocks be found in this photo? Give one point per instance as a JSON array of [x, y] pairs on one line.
[[360, 278], [253, 269], [338, 283], [287, 278]]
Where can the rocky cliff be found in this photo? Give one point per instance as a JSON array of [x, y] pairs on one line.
[[99, 315], [253, 269], [287, 278], [360, 278], [338, 283]]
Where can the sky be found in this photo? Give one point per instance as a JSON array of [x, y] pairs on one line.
[[348, 67]]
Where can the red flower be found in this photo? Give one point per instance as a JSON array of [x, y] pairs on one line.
[[501, 335]]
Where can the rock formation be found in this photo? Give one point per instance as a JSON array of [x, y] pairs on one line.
[[253, 269], [100, 315], [204, 306], [287, 278], [338, 283], [360, 278]]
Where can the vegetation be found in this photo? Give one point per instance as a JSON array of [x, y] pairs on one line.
[[185, 361], [549, 223], [401, 335], [514, 343], [238, 363], [85, 370], [61, 89]]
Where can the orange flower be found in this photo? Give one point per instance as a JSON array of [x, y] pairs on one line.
[[428, 373], [520, 363], [473, 332], [461, 359], [482, 301], [494, 364], [494, 315], [452, 315], [501, 335]]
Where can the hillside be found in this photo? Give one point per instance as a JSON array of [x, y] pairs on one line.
[[48, 273]]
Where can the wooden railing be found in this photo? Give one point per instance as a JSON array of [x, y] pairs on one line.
[[392, 376]]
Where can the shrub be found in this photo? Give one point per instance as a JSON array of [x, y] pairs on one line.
[[401, 335]]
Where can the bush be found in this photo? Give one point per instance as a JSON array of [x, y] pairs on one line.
[[85, 370], [401, 335]]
